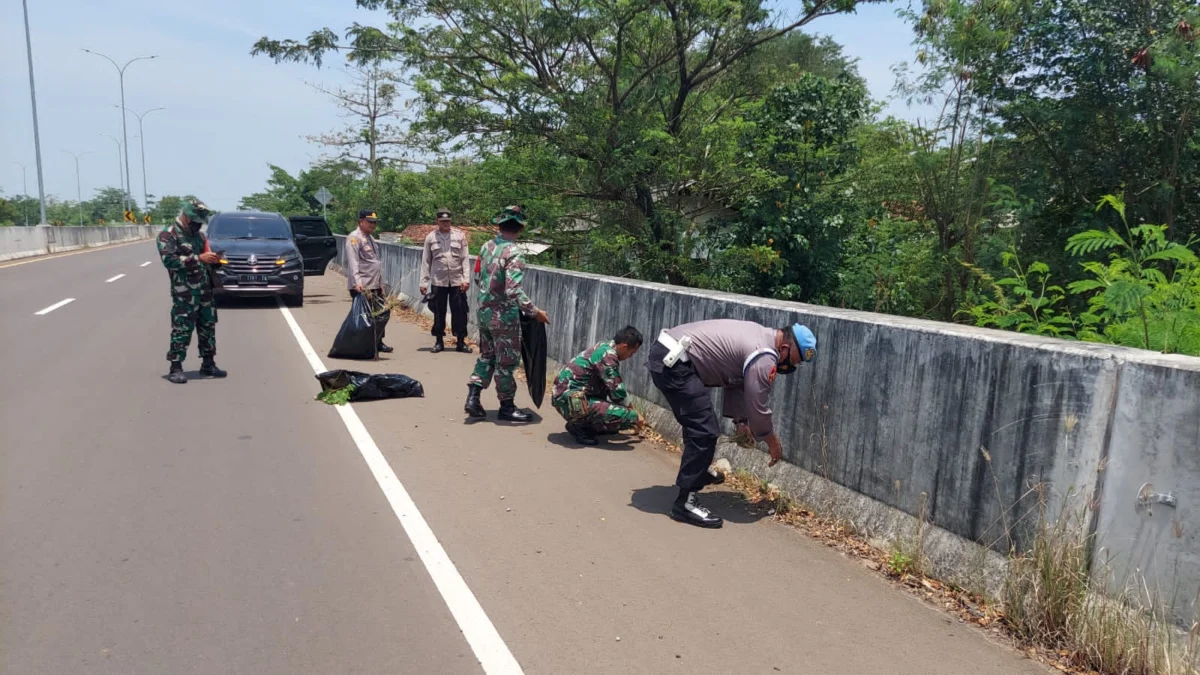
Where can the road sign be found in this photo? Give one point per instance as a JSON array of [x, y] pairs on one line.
[[146, 219], [101, 221], [129, 217], [324, 196]]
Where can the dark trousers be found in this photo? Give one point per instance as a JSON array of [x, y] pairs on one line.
[[690, 401], [457, 299], [380, 322]]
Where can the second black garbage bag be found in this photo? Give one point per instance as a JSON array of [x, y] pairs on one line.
[[358, 338]]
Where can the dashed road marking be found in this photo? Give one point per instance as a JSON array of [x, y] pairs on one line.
[[55, 306], [144, 264], [109, 281]]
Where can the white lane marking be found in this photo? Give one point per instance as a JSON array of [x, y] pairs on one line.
[[109, 281], [53, 307], [477, 628], [144, 264]]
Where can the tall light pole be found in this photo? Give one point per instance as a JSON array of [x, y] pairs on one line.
[[37, 139], [24, 194], [121, 74], [78, 190], [120, 176], [142, 144]]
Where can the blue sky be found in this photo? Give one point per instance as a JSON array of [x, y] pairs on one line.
[[227, 114]]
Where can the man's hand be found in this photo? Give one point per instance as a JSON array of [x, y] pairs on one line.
[[210, 258], [424, 290], [775, 448], [542, 316], [464, 286], [358, 288]]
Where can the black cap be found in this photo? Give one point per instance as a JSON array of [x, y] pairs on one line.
[[369, 214], [443, 212]]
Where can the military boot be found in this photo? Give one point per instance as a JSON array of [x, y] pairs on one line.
[[473, 407], [582, 435], [462, 347], [688, 510], [209, 369], [175, 375], [439, 345], [510, 413]]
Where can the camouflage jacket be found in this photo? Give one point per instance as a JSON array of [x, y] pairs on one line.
[[596, 372], [499, 271], [180, 252]]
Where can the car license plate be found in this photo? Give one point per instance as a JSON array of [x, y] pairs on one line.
[[252, 279]]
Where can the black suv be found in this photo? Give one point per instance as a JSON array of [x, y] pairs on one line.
[[258, 256], [315, 241]]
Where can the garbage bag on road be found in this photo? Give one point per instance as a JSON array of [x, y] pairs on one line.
[[358, 336], [533, 357], [369, 387]]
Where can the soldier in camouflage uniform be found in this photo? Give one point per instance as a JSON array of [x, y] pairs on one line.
[[589, 392], [185, 254], [499, 269]]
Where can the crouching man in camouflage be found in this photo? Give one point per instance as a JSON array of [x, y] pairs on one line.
[[499, 271], [185, 254], [589, 392]]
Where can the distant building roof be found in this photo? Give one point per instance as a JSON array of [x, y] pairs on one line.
[[417, 233]]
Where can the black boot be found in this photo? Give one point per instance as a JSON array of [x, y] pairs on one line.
[[462, 347], [210, 369], [384, 349], [688, 510], [581, 434], [510, 413], [473, 407], [439, 346], [175, 375]]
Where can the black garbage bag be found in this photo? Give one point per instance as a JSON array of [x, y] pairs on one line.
[[533, 357], [371, 387], [358, 336]]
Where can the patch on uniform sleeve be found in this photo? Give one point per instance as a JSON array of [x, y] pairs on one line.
[[771, 375], [353, 241]]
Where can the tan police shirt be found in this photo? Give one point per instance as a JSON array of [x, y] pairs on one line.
[[445, 261], [362, 261]]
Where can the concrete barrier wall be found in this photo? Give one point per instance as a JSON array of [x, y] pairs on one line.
[[22, 242], [968, 427]]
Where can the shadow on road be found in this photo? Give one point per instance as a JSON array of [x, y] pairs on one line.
[[565, 440], [728, 505]]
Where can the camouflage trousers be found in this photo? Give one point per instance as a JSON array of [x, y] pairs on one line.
[[499, 354], [190, 313], [596, 414]]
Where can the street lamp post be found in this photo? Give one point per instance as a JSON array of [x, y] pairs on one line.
[[121, 74], [24, 194], [120, 176], [142, 145], [37, 139], [78, 190]]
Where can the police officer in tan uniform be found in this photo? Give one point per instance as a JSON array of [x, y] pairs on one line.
[[445, 269], [364, 271], [743, 358]]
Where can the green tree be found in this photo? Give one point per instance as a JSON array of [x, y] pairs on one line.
[[627, 95], [803, 142]]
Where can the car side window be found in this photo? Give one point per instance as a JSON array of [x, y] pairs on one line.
[[311, 228]]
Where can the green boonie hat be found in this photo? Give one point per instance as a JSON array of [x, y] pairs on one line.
[[196, 210], [510, 213]]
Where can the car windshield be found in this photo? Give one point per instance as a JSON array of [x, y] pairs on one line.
[[249, 228]]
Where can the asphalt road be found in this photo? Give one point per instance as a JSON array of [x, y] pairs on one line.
[[237, 526]]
